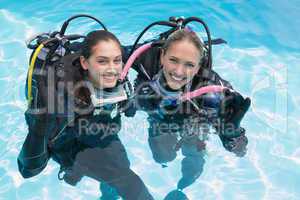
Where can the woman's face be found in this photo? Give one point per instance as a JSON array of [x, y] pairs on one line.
[[180, 63], [104, 65]]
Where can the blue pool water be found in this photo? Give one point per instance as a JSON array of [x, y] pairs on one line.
[[261, 60]]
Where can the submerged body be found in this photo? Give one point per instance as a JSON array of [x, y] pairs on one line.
[[166, 74], [81, 133]]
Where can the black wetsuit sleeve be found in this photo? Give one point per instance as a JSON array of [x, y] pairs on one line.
[[228, 127], [34, 154]]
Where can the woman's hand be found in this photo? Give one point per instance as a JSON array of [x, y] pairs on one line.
[[236, 145], [233, 108]]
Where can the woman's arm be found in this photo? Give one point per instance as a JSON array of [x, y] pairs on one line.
[[232, 109], [34, 154]]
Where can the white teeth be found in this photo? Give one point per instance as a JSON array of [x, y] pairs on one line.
[[177, 78], [109, 78]]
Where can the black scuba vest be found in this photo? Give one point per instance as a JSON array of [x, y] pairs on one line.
[[78, 123], [149, 100]]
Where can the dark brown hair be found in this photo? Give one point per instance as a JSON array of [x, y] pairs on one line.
[[93, 38]]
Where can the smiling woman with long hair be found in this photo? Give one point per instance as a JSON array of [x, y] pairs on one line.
[[89, 146], [165, 74]]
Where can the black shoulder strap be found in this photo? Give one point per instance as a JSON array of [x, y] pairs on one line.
[[209, 77]]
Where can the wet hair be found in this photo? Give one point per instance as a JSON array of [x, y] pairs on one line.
[[93, 38], [181, 35]]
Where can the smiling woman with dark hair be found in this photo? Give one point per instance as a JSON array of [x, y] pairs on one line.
[[88, 145]]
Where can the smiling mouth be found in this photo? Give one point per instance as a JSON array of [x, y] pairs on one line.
[[177, 78], [110, 76]]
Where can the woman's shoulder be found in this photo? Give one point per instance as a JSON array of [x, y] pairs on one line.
[[209, 77]]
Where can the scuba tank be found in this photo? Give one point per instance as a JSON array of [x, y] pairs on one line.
[[46, 69]]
